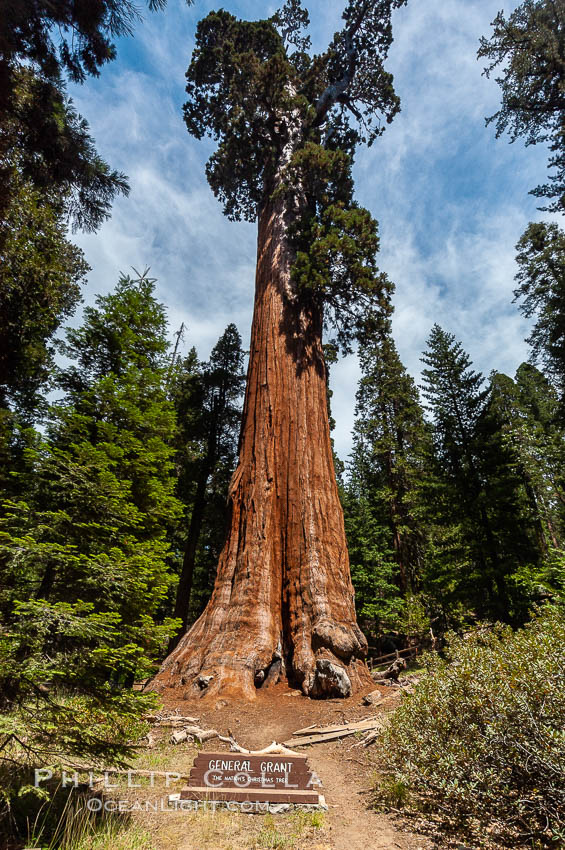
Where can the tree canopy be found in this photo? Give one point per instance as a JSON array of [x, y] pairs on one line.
[[41, 44], [287, 123], [529, 48], [541, 291]]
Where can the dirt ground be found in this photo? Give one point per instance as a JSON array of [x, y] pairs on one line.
[[345, 769]]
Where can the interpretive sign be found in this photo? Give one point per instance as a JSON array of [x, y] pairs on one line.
[[227, 776]]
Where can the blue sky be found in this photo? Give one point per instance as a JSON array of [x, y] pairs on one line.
[[451, 200]]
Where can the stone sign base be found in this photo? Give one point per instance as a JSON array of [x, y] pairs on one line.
[[247, 807]]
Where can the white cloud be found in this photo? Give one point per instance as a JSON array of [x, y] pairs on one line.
[[451, 200]]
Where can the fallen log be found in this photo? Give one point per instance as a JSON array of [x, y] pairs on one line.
[[393, 672], [356, 726], [194, 732], [328, 736], [273, 749], [173, 720], [370, 738]]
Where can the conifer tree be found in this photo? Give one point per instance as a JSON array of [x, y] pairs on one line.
[[456, 400], [531, 431], [541, 291], [209, 415], [527, 46], [510, 500], [85, 557], [385, 535], [287, 123], [390, 435]]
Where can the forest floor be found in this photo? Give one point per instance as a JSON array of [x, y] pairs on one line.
[[347, 772]]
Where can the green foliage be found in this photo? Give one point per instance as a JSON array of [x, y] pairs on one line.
[[62, 669], [541, 290], [478, 748], [62, 35], [456, 489], [48, 142], [113, 337], [384, 527], [455, 397], [335, 241], [40, 44], [374, 573], [40, 277], [84, 551], [528, 47], [287, 123]]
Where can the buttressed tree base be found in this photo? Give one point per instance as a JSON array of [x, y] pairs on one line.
[[283, 603]]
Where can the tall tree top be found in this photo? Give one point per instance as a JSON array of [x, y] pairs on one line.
[[258, 90], [541, 289], [127, 329], [453, 390]]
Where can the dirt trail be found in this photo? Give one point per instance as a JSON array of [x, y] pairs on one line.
[[353, 825], [345, 770]]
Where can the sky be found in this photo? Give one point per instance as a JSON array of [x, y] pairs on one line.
[[451, 200]]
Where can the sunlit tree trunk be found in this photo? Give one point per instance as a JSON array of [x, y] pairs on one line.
[[283, 603]]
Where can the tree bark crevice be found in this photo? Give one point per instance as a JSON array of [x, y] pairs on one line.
[[283, 591]]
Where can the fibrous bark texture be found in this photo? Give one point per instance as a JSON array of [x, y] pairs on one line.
[[283, 603]]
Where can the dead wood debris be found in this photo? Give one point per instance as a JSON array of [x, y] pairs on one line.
[[392, 672], [169, 719], [318, 735], [194, 733]]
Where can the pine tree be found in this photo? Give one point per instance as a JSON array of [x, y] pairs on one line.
[[456, 400], [85, 557], [532, 433], [529, 49], [389, 439], [374, 572], [287, 123], [541, 290], [509, 498], [209, 413]]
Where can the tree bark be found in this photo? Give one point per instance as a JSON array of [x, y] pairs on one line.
[[283, 594]]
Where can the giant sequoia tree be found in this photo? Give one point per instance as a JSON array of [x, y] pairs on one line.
[[287, 123]]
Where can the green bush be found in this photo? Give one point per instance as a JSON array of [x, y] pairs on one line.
[[479, 748]]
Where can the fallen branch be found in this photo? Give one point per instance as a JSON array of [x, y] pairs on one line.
[[393, 672], [356, 726], [370, 738], [330, 736], [156, 720], [273, 749], [194, 733]]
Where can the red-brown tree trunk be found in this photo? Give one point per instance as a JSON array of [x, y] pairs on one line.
[[283, 602]]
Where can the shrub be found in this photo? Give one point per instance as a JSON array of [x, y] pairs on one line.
[[479, 747]]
